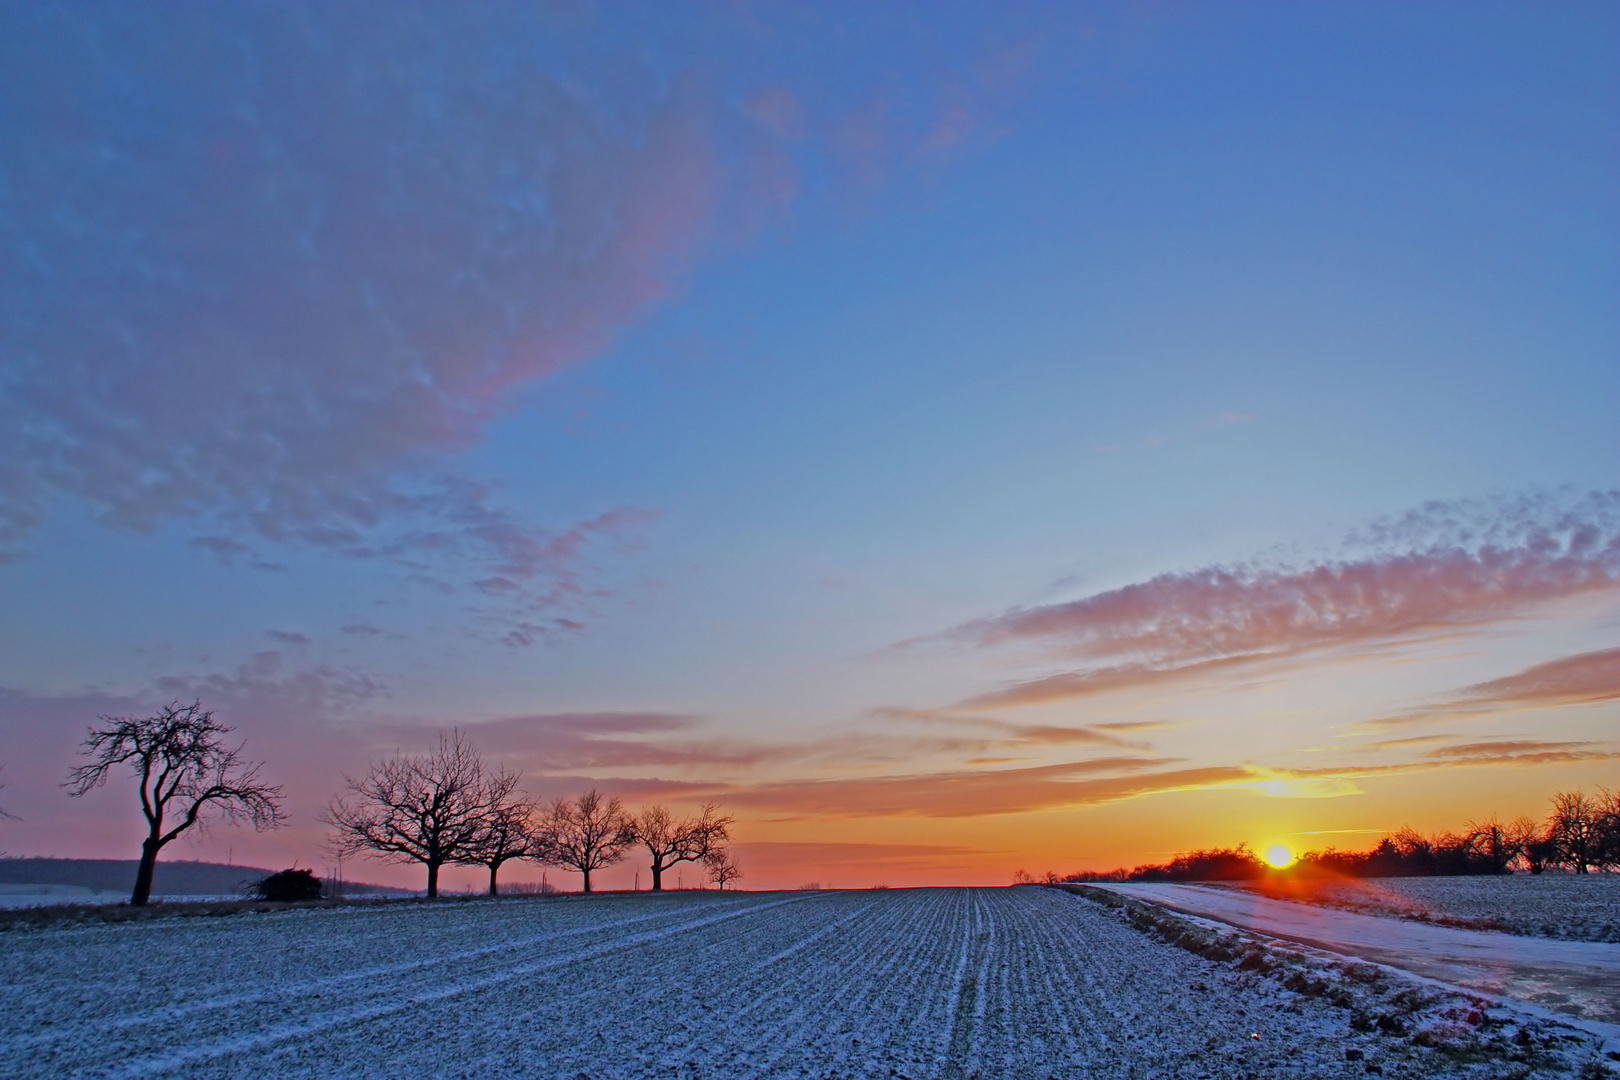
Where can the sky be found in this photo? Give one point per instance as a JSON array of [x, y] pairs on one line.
[[955, 438]]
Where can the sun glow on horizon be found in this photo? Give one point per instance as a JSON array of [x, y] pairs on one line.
[[1279, 856]]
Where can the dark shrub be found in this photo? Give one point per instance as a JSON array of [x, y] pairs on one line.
[[1215, 864], [288, 885]]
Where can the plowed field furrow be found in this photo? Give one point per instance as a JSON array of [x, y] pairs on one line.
[[902, 983], [200, 987], [803, 1002]]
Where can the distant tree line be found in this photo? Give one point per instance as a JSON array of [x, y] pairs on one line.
[[445, 807], [1581, 834]]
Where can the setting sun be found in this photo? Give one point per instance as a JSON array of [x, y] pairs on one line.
[[1279, 856]]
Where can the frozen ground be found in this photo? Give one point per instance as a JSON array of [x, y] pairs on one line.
[[1583, 907], [1025, 983], [14, 896], [20, 896], [1577, 978]]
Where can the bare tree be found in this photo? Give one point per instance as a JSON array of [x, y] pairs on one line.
[[425, 808], [722, 870], [1491, 843], [185, 771], [1573, 830], [670, 841], [5, 815], [1532, 848], [1607, 830], [506, 831], [585, 834]]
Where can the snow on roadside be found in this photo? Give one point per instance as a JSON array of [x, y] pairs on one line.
[[1580, 907], [1378, 997]]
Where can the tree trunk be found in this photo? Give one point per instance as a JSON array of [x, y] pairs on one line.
[[586, 874], [143, 875], [494, 890], [658, 876], [433, 880]]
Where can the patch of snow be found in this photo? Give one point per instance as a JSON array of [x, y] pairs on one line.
[[1584, 907], [16, 896], [1580, 980]]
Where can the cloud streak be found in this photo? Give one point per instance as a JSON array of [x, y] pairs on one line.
[[1476, 564], [977, 793], [278, 283], [1572, 680], [278, 275], [1583, 679], [569, 742]]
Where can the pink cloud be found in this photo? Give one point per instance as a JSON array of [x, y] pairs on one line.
[[1571, 680], [1485, 567], [570, 742], [337, 278], [1582, 679], [1004, 734], [779, 110], [1517, 750]]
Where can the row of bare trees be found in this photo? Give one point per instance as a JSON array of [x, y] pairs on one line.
[[440, 808], [1580, 834], [445, 807]]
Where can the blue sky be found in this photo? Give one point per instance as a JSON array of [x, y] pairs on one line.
[[752, 369]]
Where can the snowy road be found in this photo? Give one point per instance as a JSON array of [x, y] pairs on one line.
[[1026, 983], [1576, 978]]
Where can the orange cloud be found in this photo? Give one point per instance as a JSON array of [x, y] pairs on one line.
[[973, 793], [563, 742]]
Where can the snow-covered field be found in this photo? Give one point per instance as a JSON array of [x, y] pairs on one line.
[[1582, 907], [1023, 982], [15, 896]]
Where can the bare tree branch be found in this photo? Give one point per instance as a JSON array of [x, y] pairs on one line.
[[670, 841], [425, 808], [584, 835], [507, 830], [1573, 829], [185, 770], [722, 870]]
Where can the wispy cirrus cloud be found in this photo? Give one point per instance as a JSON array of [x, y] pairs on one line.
[[1583, 679], [1571, 680], [1029, 789], [975, 793], [1005, 734], [1443, 567], [269, 686], [281, 282], [1515, 750], [571, 742], [281, 276]]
